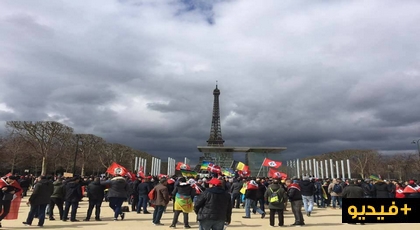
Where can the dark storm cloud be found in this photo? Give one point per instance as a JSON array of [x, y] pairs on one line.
[[315, 77]]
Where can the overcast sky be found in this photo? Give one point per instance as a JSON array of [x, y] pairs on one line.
[[312, 76]]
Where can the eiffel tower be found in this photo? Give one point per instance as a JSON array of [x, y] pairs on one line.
[[223, 159], [215, 138]]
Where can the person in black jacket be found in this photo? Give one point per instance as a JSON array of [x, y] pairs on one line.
[[72, 196], [95, 193], [381, 189], [214, 206], [25, 183], [39, 199], [135, 194], [260, 195], [353, 191], [183, 201], [295, 196], [367, 188], [143, 190], [235, 191], [307, 188]]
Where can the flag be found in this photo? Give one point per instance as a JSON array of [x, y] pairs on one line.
[[276, 174], [228, 172], [238, 165], [214, 168], [245, 172], [374, 177], [131, 175], [270, 163], [205, 165], [186, 173], [116, 169], [140, 173], [9, 174], [182, 166]]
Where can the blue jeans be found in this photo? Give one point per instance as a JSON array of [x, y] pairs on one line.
[[157, 214], [308, 203], [143, 199], [335, 199], [261, 202], [115, 203], [40, 209], [251, 204], [212, 225]]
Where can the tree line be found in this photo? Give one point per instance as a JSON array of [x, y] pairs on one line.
[[50, 147]]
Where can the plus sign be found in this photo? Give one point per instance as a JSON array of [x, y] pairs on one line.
[[405, 209]]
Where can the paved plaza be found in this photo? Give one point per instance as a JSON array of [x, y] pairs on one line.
[[320, 219]]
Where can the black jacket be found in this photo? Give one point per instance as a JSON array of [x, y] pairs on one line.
[[118, 187], [251, 194], [96, 191], [184, 190], [43, 190], [73, 192], [58, 190], [294, 193], [367, 189], [144, 188], [381, 190], [261, 191], [24, 183], [214, 204], [352, 191], [236, 187], [307, 188]]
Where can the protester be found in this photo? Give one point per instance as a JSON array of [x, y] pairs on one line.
[[95, 193], [275, 195], [72, 196], [353, 191], [399, 191], [39, 199], [235, 191], [295, 196], [412, 190], [307, 188], [161, 201], [117, 194], [214, 207], [182, 197], [57, 199], [335, 189], [381, 189], [9, 190], [143, 190], [251, 199]]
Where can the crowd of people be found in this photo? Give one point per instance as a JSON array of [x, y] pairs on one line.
[[212, 199]]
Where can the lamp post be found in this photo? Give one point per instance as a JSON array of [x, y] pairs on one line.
[[418, 147], [75, 153]]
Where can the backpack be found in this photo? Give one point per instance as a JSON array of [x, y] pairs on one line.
[[274, 197], [152, 194], [337, 188]]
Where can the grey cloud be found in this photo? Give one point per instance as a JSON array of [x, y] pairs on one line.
[[315, 77]]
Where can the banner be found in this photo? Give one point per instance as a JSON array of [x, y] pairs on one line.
[[276, 174], [270, 163], [116, 169], [205, 165], [237, 165], [182, 166]]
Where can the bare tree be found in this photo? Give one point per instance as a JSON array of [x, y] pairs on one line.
[[90, 144], [41, 135]]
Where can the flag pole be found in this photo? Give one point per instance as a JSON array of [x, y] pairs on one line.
[[261, 168]]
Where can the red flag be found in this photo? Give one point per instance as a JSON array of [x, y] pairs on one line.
[[116, 169], [140, 173], [245, 172], [214, 168], [15, 204], [182, 166], [276, 174], [131, 175], [162, 176], [270, 163]]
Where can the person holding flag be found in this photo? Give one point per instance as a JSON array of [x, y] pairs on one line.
[[10, 197]]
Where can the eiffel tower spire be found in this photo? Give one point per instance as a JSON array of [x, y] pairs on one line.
[[216, 130]]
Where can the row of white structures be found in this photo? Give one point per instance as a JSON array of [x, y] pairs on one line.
[[141, 164], [320, 169]]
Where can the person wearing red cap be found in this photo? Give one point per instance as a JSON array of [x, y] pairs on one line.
[[214, 207]]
